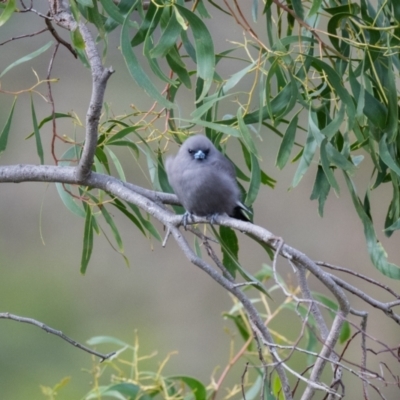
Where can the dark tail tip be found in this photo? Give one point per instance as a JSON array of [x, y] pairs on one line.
[[239, 213]]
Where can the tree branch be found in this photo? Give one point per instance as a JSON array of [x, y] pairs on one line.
[[53, 331], [61, 14]]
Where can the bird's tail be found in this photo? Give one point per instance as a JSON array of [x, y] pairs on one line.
[[242, 212]]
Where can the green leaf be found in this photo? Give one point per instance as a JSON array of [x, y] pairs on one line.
[[320, 190], [113, 227], [337, 85], [277, 387], [287, 143], [229, 248], [338, 159], [127, 389], [198, 389], [96, 340], [117, 164], [47, 119], [237, 77], [331, 129], [39, 147], [218, 127], [28, 57], [6, 130], [168, 38], [175, 62], [205, 57], [102, 159], [372, 108], [386, 157], [87, 240], [136, 70], [121, 207], [98, 20], [327, 167], [153, 62], [122, 133], [77, 40], [208, 103], [255, 181], [66, 198], [197, 247], [114, 12], [316, 4], [149, 23], [147, 224], [298, 8], [306, 158], [241, 327], [375, 249], [8, 11], [86, 3], [245, 134], [389, 84], [127, 143]]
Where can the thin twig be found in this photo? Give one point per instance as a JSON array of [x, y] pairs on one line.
[[58, 38], [55, 332], [358, 275], [242, 380], [24, 36]]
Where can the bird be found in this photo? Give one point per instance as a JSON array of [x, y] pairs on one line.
[[204, 181]]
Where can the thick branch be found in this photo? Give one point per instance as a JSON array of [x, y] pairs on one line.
[[100, 75]]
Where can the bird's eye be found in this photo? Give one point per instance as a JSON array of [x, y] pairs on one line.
[[206, 151], [191, 151]]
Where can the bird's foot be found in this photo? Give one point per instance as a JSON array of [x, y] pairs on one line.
[[213, 218], [188, 215]]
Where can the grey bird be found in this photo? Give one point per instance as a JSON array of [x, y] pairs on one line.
[[204, 181]]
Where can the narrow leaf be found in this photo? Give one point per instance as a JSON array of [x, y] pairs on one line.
[[230, 249], [375, 249], [8, 11], [168, 38], [386, 157], [287, 143], [255, 181], [306, 158], [107, 216], [147, 224], [320, 190], [327, 167], [245, 134], [87, 240], [27, 57], [6, 130], [121, 207], [136, 70], [198, 389], [205, 57], [117, 164], [39, 147]]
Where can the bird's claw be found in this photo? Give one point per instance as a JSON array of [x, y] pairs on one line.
[[213, 217], [185, 219]]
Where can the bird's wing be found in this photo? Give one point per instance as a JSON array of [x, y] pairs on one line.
[[220, 162], [168, 164]]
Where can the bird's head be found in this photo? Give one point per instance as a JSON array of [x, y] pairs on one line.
[[198, 147]]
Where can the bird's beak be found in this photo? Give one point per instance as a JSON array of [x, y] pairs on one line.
[[199, 155]]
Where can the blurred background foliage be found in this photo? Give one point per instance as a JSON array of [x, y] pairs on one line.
[[308, 89]]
